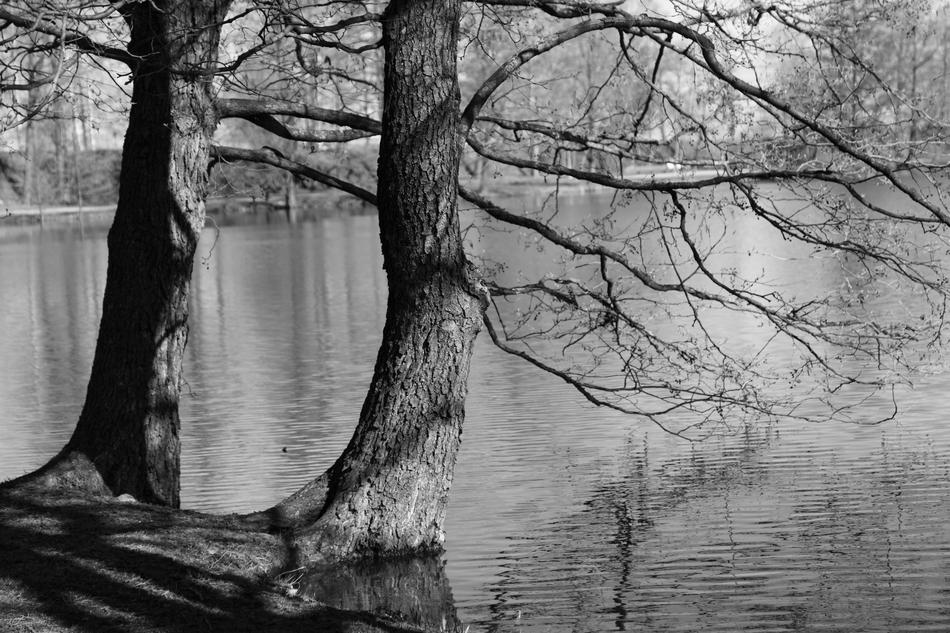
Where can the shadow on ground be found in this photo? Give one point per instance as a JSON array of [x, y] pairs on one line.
[[75, 564]]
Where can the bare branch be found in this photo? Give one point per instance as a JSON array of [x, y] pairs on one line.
[[268, 156], [70, 37], [248, 108]]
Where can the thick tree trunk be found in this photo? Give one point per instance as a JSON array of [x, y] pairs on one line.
[[128, 428], [387, 492]]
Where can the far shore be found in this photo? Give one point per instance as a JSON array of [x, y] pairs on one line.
[[17, 211], [229, 206]]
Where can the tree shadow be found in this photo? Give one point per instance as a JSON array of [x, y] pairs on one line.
[[77, 564]]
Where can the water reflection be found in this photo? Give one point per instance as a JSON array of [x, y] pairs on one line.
[[414, 592], [286, 322], [562, 517], [51, 285], [762, 532]]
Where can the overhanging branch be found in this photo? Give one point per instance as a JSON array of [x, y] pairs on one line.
[[249, 108], [68, 36], [276, 159]]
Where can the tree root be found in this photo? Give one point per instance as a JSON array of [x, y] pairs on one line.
[[70, 471]]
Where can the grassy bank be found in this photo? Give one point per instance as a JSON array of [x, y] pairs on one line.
[[71, 564]]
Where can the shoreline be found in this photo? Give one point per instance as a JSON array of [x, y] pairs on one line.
[[59, 215], [74, 563], [218, 203]]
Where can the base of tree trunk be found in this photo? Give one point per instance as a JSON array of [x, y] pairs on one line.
[[310, 536]]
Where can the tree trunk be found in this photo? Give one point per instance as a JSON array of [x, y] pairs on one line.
[[387, 493], [59, 148], [29, 168], [290, 198], [128, 428], [77, 168]]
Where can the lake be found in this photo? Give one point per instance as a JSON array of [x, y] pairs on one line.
[[563, 517]]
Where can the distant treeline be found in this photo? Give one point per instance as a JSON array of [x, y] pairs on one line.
[[91, 177], [354, 163], [57, 178]]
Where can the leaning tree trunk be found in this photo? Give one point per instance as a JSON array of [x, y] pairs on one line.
[[128, 428], [387, 492]]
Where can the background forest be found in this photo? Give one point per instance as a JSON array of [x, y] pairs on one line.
[[62, 118]]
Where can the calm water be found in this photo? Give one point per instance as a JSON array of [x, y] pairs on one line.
[[563, 517]]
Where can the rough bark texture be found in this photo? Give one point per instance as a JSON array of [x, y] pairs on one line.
[[387, 492], [128, 428]]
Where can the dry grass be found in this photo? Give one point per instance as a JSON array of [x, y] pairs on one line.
[[71, 564]]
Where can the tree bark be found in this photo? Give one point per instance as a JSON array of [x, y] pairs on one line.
[[386, 494], [128, 428], [29, 168], [59, 147]]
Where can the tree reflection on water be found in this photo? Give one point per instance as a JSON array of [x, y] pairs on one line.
[[412, 591]]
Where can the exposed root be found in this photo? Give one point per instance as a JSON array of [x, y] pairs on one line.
[[296, 511], [70, 471]]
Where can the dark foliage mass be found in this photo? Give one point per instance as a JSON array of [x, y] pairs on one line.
[[92, 178]]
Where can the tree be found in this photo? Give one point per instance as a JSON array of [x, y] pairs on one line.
[[388, 490], [618, 310], [685, 378], [126, 439]]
